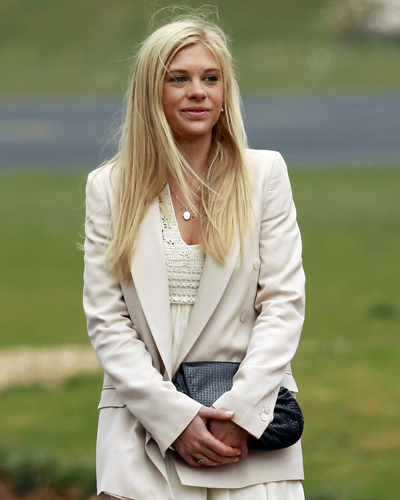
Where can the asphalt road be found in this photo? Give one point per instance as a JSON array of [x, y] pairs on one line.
[[324, 129]]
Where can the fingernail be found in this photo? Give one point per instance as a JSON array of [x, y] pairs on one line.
[[239, 453], [229, 413], [236, 460]]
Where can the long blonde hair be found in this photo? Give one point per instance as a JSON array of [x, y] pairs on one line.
[[148, 155]]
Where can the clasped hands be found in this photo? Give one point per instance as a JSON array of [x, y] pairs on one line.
[[212, 438]]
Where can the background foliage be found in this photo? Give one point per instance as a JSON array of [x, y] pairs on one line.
[[70, 46]]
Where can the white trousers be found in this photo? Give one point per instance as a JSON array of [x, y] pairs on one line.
[[282, 490]]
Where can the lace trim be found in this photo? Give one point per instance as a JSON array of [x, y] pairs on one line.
[[184, 262]]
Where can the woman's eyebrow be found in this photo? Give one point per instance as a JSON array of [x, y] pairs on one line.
[[185, 72]]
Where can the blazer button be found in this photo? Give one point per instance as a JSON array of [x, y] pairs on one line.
[[256, 264], [264, 417], [243, 317]]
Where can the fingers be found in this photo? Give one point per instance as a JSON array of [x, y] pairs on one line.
[[221, 449], [214, 413], [244, 451], [204, 461], [213, 452], [230, 434], [192, 453], [207, 461], [197, 443], [215, 457]]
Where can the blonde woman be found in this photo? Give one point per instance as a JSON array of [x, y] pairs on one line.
[[192, 253]]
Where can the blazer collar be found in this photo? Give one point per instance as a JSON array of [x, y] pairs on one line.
[[214, 280], [149, 272]]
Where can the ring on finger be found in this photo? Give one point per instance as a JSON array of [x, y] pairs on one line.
[[202, 461]]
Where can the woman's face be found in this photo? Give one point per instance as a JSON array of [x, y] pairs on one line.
[[193, 93]]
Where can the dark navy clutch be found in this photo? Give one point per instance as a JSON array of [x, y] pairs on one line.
[[206, 381]]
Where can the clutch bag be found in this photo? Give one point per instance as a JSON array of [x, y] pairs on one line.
[[206, 381]]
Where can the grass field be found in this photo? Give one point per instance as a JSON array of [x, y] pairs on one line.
[[41, 281], [347, 364], [69, 46]]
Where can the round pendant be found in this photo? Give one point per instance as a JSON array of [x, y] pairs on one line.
[[187, 215]]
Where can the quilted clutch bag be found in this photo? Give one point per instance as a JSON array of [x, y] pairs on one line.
[[206, 381]]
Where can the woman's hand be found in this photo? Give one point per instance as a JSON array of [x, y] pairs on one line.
[[230, 434], [196, 442]]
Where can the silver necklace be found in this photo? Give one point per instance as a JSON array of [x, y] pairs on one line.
[[186, 214]]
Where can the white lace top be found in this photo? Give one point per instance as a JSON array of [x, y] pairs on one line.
[[184, 262]]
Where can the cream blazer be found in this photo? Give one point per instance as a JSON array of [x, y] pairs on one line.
[[248, 310]]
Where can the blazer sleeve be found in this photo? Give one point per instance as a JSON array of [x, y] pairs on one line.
[[162, 410], [280, 304]]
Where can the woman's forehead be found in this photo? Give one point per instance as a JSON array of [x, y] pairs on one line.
[[194, 55]]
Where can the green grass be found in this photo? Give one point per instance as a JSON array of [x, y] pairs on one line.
[[41, 271], [69, 46], [347, 364], [48, 436], [59, 422]]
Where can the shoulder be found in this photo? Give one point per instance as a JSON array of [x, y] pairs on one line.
[[103, 180], [263, 159], [260, 157], [265, 165]]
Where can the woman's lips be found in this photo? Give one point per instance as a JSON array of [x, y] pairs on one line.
[[196, 112]]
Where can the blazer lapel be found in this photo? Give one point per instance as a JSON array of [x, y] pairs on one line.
[[149, 272], [214, 280]]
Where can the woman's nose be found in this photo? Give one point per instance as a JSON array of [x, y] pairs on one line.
[[196, 91]]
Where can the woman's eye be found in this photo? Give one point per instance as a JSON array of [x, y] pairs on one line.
[[211, 78], [178, 79]]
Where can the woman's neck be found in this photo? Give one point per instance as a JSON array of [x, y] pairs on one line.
[[196, 153]]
